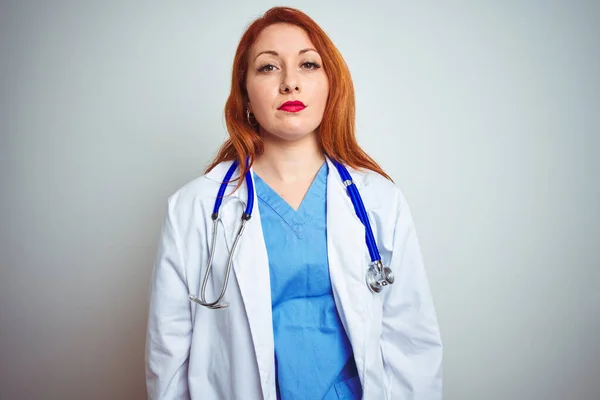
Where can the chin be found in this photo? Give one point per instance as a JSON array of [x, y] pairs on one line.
[[291, 134], [294, 136]]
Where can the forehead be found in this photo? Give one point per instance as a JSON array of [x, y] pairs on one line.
[[282, 38]]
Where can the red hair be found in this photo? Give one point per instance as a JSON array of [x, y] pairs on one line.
[[337, 129]]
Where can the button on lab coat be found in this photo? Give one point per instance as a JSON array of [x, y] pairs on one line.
[[199, 353]]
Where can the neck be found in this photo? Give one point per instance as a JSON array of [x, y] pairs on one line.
[[289, 161]]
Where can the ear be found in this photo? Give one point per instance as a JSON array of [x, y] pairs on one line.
[[249, 106]]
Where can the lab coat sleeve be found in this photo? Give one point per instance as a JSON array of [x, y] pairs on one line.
[[411, 343], [169, 323]]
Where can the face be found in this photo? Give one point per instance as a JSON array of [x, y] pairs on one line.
[[285, 67]]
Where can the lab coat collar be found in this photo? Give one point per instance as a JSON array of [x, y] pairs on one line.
[[251, 271], [348, 260]]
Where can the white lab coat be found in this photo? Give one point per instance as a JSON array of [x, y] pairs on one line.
[[199, 353]]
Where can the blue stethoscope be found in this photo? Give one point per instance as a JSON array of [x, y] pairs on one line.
[[377, 276]]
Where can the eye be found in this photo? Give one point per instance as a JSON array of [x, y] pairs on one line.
[[266, 68], [310, 65]]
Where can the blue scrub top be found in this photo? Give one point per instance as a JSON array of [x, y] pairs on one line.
[[313, 355]]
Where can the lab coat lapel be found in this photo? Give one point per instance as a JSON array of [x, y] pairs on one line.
[[251, 269], [348, 261]]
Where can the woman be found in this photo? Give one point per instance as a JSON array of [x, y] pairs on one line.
[[301, 321]]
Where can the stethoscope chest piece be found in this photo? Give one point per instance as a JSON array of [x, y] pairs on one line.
[[379, 277]]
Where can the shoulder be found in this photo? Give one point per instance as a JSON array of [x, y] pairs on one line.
[[378, 190], [200, 191]]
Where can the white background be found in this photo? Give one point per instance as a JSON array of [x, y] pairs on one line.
[[485, 113]]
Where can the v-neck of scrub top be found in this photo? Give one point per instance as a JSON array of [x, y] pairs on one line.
[[309, 208], [313, 355]]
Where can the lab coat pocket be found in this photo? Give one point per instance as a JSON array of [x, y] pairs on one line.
[[350, 389]]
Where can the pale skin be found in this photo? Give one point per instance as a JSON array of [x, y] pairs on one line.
[[285, 66]]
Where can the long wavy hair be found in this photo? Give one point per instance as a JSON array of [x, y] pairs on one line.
[[336, 133]]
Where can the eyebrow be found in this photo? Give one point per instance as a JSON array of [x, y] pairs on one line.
[[273, 52]]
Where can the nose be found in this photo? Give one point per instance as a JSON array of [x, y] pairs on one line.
[[290, 83]]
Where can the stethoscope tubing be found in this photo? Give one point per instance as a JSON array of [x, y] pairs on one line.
[[360, 210], [357, 203]]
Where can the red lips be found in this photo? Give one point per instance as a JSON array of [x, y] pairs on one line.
[[292, 106]]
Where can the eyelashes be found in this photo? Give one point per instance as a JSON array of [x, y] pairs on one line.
[[308, 65], [266, 68]]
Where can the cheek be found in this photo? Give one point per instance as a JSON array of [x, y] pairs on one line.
[[325, 93], [321, 93], [261, 95], [253, 94]]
